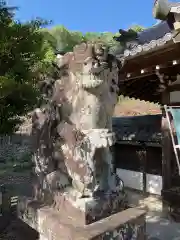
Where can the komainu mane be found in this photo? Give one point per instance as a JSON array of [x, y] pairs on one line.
[[73, 133]]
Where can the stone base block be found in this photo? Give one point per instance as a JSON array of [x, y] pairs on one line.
[[52, 225], [84, 211], [89, 210]]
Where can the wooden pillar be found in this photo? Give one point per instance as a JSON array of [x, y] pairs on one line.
[[166, 145], [144, 162]]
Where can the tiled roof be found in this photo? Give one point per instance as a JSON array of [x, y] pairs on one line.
[[148, 39], [145, 129], [155, 32]]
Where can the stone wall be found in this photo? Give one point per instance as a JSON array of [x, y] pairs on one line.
[[14, 147]]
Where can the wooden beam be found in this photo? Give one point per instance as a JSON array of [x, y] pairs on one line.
[[134, 143], [146, 61], [170, 68]]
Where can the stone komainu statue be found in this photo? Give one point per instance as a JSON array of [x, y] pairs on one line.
[[73, 133]]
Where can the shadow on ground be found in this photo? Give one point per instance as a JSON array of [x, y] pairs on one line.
[[18, 230], [162, 228]]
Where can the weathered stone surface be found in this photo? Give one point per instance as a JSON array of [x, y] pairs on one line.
[[126, 225], [73, 133], [82, 210], [88, 210]]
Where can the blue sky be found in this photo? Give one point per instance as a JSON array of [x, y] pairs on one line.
[[92, 15]]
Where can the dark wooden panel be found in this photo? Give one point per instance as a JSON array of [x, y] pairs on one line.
[[154, 161], [133, 158], [126, 157]]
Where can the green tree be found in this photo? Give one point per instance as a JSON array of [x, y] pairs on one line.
[[23, 54], [65, 40], [137, 28], [62, 39]]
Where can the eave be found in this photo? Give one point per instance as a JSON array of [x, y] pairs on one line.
[[146, 85], [146, 59]]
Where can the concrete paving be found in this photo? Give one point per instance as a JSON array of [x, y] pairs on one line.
[[158, 225], [161, 228]]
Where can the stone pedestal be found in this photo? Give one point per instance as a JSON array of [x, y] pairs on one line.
[[88, 210], [69, 223]]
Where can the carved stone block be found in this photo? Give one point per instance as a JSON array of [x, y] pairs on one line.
[[51, 224]]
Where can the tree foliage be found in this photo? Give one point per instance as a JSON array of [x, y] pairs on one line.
[[23, 54], [26, 53], [63, 40]]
